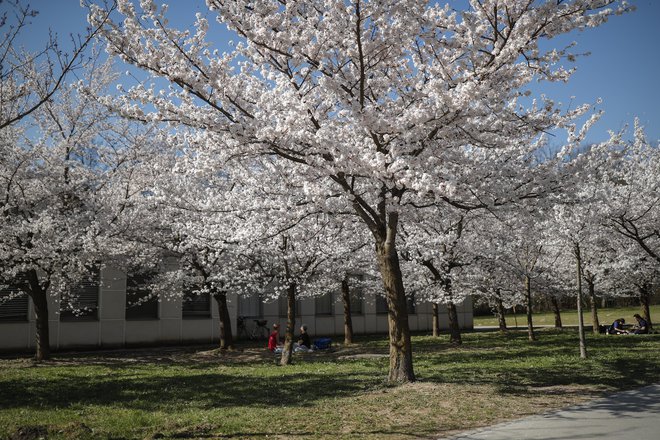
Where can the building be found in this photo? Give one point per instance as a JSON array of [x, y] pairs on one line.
[[114, 317]]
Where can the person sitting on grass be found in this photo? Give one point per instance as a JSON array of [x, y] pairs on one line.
[[642, 327], [617, 327], [274, 340], [304, 342]]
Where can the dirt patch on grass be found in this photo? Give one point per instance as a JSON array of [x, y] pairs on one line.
[[186, 355], [29, 433]]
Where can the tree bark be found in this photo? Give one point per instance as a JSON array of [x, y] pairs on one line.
[[287, 350], [593, 302], [40, 300], [454, 329], [436, 320], [528, 298], [578, 263], [226, 335], [348, 321], [644, 303], [401, 365], [499, 308], [557, 311]]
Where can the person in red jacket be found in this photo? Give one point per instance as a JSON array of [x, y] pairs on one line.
[[274, 339]]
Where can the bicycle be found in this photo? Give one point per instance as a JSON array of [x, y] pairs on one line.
[[257, 333], [241, 329], [260, 331]]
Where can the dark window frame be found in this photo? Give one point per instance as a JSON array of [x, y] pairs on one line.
[[331, 304], [85, 290], [381, 305], [283, 307], [191, 305], [135, 286], [19, 304]]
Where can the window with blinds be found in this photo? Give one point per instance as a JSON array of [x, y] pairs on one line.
[[13, 304], [283, 307], [196, 305], [141, 302], [381, 304], [82, 302], [410, 303], [356, 294], [250, 306], [357, 302], [323, 304]]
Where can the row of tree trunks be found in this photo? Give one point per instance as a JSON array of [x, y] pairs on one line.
[[593, 303], [226, 335], [401, 364], [556, 311], [528, 299], [39, 296], [348, 321], [645, 302], [499, 310], [436, 320], [287, 350], [578, 263], [454, 329]]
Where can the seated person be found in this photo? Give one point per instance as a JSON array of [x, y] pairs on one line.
[[617, 327], [642, 327], [274, 339], [304, 342]]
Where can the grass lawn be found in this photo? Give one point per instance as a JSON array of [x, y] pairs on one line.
[[197, 392], [568, 317]]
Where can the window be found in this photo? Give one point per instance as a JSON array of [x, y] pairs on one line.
[[141, 303], [356, 294], [82, 302], [381, 304], [410, 303], [13, 304], [323, 304], [249, 306], [196, 305], [356, 303], [283, 307]]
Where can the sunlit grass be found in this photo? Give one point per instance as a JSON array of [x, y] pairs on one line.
[[192, 393], [568, 317]]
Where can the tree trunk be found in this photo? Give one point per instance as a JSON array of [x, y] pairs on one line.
[[594, 305], [454, 329], [578, 261], [436, 320], [557, 311], [226, 336], [528, 298], [644, 302], [348, 321], [40, 301], [401, 364], [287, 350], [499, 308]]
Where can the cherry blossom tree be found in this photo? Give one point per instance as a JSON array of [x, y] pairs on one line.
[[628, 190], [29, 79], [443, 244], [60, 171], [383, 104], [192, 212]]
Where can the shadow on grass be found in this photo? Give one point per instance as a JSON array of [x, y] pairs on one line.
[[202, 391], [515, 365], [170, 378]]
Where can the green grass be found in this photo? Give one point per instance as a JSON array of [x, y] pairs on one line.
[[568, 317], [191, 393]]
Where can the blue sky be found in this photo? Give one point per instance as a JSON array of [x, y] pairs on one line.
[[623, 68]]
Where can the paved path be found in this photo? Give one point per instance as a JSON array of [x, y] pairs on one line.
[[627, 415]]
